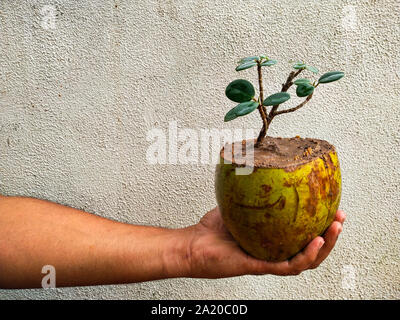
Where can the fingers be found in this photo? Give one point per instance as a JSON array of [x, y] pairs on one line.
[[311, 257], [331, 235], [211, 218], [340, 216], [302, 261]]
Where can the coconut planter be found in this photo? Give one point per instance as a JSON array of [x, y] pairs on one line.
[[290, 197]]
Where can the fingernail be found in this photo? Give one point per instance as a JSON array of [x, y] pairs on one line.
[[321, 243], [340, 229]]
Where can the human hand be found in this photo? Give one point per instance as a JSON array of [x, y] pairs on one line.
[[213, 253]]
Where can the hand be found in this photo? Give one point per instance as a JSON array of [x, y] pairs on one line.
[[213, 253]]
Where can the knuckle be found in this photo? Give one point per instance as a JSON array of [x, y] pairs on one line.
[[295, 272], [302, 265], [256, 270], [309, 260]]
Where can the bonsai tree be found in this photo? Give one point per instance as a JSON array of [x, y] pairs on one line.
[[293, 193], [242, 91]]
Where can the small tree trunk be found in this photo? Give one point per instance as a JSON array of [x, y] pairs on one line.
[[261, 108]]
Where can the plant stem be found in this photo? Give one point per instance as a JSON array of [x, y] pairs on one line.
[[289, 81], [267, 119], [285, 87], [295, 108], [273, 112], [261, 108]]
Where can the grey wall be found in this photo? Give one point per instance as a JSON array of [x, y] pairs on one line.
[[83, 82]]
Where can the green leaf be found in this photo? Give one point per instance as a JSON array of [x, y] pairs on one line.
[[276, 98], [331, 76], [246, 65], [230, 115], [263, 57], [312, 69], [247, 59], [304, 90], [241, 110], [269, 63], [302, 81], [240, 90], [299, 65]]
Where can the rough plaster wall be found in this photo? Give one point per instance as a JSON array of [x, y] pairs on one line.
[[77, 101]]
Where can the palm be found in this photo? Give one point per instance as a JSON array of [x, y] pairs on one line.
[[215, 254]]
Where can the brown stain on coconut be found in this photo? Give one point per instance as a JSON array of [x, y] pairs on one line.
[[281, 203], [267, 189], [267, 215], [334, 186], [313, 185]]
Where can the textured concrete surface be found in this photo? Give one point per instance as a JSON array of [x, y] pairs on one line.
[[82, 82]]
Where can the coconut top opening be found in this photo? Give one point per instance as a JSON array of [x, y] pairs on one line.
[[276, 152]]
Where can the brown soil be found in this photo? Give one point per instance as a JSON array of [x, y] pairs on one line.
[[276, 152]]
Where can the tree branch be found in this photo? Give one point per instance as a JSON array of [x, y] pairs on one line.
[[261, 108], [267, 118], [285, 87], [289, 81], [295, 108]]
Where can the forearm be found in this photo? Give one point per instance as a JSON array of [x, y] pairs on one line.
[[84, 249]]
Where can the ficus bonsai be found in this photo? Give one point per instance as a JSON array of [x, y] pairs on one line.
[[242, 91], [292, 193]]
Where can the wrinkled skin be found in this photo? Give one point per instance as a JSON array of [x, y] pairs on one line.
[[274, 213]]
